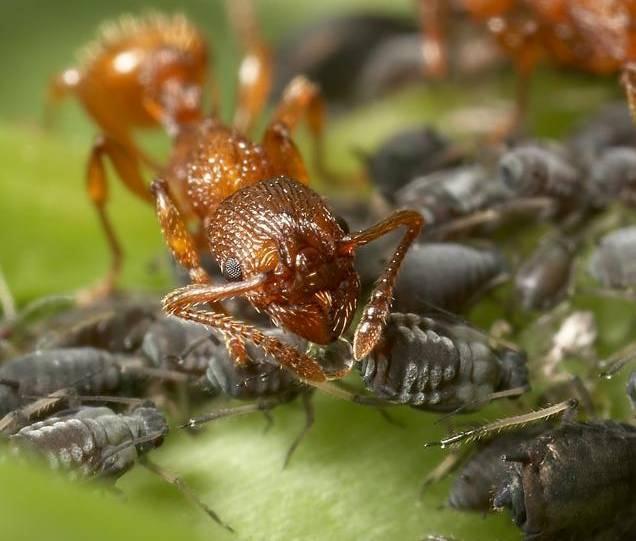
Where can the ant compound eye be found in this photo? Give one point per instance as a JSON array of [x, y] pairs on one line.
[[231, 270]]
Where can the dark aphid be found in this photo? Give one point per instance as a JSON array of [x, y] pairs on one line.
[[612, 263], [432, 364], [260, 377], [333, 51], [86, 371], [531, 171], [452, 193], [574, 482], [485, 471], [612, 126], [613, 176], [97, 443], [446, 275], [113, 325], [86, 442], [407, 155], [542, 280]]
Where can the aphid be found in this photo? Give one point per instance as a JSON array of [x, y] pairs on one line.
[[98, 443], [531, 171], [575, 481], [542, 280], [485, 471], [333, 51], [436, 365], [263, 383], [138, 73], [446, 195], [610, 127], [612, 262], [613, 177], [87, 371], [406, 155], [446, 275], [576, 336]]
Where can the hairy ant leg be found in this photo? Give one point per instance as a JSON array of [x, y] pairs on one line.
[[371, 324]]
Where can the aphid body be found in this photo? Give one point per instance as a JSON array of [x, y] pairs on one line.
[[613, 262], [432, 364]]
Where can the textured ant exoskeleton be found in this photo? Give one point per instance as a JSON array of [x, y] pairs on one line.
[[456, 276], [575, 481], [438, 365], [97, 443]]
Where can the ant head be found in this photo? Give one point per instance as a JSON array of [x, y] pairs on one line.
[[282, 230]]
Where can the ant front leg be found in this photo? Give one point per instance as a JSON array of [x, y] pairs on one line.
[[301, 98], [433, 18], [371, 324], [628, 80], [126, 164], [255, 72]]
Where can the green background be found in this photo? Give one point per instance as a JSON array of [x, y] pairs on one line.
[[354, 476]]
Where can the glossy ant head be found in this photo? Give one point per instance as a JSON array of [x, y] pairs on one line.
[[283, 232]]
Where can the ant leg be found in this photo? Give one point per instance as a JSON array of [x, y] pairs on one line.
[[371, 324], [309, 422], [509, 422], [432, 20], [628, 80], [182, 303], [255, 72], [301, 98], [180, 484], [126, 164]]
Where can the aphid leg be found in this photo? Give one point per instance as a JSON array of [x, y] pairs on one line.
[[308, 406], [389, 418], [244, 409], [615, 363], [433, 22], [371, 324], [180, 484], [446, 466], [502, 424], [301, 99], [255, 72], [493, 215], [478, 403], [127, 166]]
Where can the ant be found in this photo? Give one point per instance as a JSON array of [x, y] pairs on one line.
[[151, 70]]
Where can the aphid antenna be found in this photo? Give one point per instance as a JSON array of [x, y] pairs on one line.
[[195, 344], [503, 424], [478, 403]]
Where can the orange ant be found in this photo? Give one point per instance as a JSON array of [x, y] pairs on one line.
[[275, 240], [595, 36]]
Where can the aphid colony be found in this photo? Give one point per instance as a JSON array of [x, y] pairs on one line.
[[241, 221]]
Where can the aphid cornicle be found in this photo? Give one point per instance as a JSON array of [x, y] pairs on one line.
[[612, 262], [436, 365], [542, 280], [455, 276], [574, 482]]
